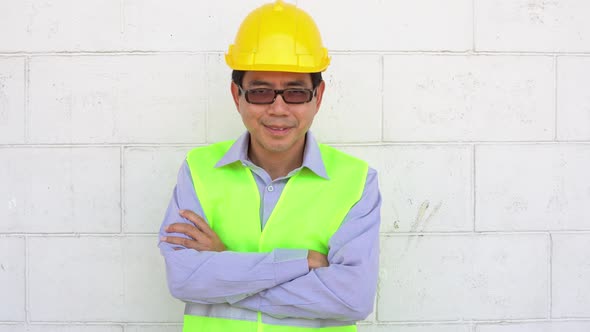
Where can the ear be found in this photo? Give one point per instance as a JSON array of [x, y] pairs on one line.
[[320, 94], [235, 92]]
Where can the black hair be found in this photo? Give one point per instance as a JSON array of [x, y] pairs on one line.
[[237, 76]]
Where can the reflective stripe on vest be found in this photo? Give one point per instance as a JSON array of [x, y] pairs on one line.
[[310, 206]]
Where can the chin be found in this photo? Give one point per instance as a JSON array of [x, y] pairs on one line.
[[277, 148]]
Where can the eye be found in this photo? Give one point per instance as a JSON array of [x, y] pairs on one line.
[[259, 91], [297, 95], [297, 92]]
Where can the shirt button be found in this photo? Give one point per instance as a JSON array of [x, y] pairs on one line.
[[270, 188]]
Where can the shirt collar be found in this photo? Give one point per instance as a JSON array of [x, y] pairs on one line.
[[312, 157]]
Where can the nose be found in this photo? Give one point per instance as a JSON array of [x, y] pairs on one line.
[[279, 107]]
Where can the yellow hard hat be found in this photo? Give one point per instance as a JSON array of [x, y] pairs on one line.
[[278, 37]]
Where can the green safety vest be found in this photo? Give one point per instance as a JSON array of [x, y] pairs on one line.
[[309, 211]]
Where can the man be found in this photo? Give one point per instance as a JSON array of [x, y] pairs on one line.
[[274, 232]]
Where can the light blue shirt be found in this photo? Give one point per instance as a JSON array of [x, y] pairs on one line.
[[280, 283]]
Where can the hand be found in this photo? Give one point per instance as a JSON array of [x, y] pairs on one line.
[[316, 259], [202, 237]]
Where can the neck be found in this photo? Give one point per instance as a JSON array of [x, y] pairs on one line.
[[277, 164]]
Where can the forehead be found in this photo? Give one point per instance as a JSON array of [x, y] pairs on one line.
[[276, 79]]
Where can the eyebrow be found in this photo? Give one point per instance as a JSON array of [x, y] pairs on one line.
[[258, 83], [296, 83]]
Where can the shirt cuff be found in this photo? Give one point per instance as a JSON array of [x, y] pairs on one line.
[[289, 264]]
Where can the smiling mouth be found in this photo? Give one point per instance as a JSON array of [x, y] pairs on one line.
[[278, 130]]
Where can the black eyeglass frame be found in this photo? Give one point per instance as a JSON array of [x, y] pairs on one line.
[[312, 93]]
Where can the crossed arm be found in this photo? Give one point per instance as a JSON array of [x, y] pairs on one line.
[[202, 238], [283, 283]]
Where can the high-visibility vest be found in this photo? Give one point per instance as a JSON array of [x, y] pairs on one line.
[[310, 210]]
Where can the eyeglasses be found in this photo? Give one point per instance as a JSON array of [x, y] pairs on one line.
[[265, 96]]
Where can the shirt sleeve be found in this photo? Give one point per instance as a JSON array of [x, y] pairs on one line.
[[220, 277], [346, 289]]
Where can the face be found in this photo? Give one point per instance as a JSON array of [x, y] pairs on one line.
[[277, 129]]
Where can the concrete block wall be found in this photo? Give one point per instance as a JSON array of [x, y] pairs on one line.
[[475, 112]]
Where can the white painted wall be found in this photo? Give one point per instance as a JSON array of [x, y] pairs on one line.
[[475, 112]]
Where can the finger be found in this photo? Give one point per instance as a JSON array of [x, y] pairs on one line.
[[187, 243], [188, 230], [197, 220]]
